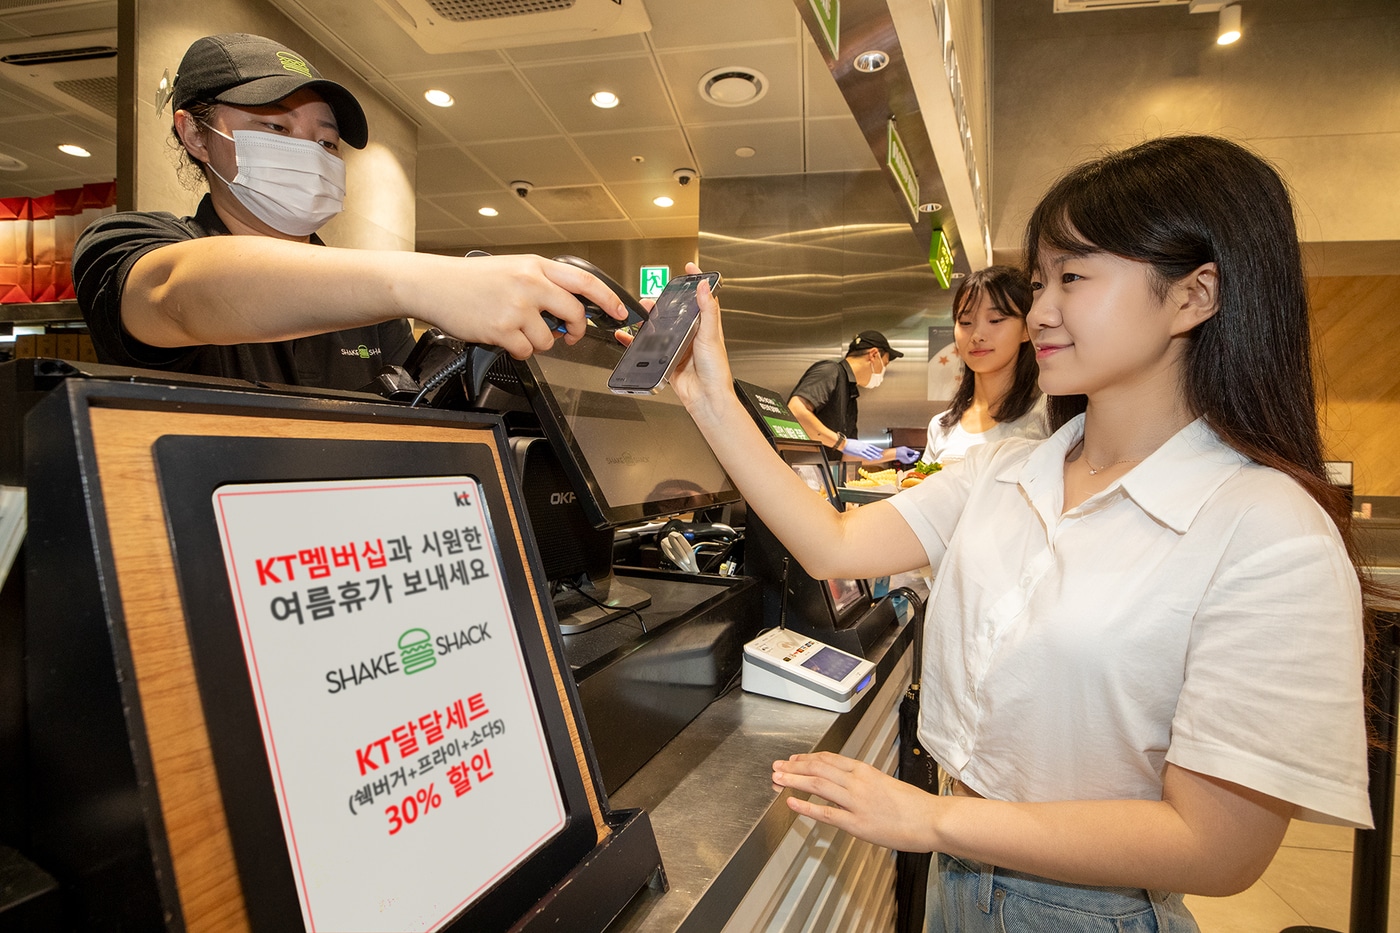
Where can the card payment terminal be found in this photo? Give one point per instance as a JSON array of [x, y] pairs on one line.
[[791, 666]]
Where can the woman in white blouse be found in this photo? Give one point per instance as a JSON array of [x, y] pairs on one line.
[[997, 396], [1145, 644]]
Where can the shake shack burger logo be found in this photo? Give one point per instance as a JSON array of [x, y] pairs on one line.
[[291, 62], [415, 651], [627, 459], [362, 352]]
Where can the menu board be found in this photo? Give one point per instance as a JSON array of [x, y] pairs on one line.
[[408, 756]]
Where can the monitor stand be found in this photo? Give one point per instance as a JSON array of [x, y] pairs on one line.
[[580, 605]]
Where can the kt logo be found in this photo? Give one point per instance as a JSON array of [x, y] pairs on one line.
[[463, 498]]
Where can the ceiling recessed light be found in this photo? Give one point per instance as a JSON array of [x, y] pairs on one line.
[[487, 211], [439, 98], [639, 159], [745, 152], [733, 86], [872, 61], [605, 99], [73, 150], [9, 163], [662, 201]]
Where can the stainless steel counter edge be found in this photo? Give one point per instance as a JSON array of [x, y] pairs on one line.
[[716, 814]]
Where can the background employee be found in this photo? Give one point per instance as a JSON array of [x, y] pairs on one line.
[[824, 401]]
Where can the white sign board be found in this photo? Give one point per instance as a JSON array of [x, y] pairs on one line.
[[407, 753]]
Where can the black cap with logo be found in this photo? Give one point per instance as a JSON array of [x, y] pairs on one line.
[[250, 70], [873, 340]]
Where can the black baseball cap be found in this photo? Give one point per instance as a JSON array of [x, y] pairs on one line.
[[237, 68], [873, 340]]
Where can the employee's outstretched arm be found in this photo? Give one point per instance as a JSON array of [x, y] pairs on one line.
[[871, 541], [250, 289]]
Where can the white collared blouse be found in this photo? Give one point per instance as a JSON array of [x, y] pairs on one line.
[[1201, 610]]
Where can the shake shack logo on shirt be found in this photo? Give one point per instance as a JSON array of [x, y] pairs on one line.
[[361, 352]]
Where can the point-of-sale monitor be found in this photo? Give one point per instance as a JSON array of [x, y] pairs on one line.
[[633, 458]]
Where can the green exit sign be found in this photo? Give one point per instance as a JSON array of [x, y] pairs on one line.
[[654, 279], [940, 258]]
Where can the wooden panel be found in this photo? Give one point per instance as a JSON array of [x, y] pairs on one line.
[[1356, 321], [201, 850]]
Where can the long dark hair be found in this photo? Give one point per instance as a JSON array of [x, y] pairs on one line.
[[1177, 203], [1010, 290]]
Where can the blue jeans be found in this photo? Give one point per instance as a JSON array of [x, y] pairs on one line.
[[966, 896]]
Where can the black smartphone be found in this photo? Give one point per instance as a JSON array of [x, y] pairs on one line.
[[663, 338]]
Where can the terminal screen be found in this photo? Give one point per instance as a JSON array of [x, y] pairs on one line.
[[831, 663]]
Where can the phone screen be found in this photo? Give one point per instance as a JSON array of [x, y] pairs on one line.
[[663, 338]]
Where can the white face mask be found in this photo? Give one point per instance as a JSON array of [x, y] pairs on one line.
[[877, 378], [292, 185]]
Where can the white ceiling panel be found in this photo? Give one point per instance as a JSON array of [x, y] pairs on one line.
[[836, 144], [676, 25], [777, 146], [822, 96], [548, 162], [443, 170], [637, 198], [490, 105], [529, 233], [613, 155], [565, 89], [511, 210], [593, 48], [585, 231], [575, 204]]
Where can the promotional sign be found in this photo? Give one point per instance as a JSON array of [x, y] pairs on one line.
[[408, 757], [897, 158], [770, 409], [654, 279], [940, 258], [829, 17]]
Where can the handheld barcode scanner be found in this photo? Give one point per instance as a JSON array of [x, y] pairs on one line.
[[450, 373]]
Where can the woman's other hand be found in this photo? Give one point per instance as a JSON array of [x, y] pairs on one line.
[[863, 801]]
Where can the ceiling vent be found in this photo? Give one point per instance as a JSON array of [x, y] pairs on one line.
[[732, 86], [84, 53], [440, 26]]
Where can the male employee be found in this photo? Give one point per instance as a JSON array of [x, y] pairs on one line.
[[824, 400], [245, 288]]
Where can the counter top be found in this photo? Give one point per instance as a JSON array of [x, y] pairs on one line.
[[716, 815]]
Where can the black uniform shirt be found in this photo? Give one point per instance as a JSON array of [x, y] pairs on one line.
[[829, 388], [110, 247]]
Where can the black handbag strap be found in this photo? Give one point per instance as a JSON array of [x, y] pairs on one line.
[[916, 604]]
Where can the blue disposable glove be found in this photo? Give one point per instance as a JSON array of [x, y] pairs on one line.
[[906, 455], [863, 449]]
